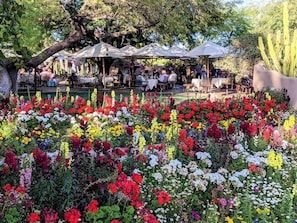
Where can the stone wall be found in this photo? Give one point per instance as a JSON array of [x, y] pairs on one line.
[[263, 78]]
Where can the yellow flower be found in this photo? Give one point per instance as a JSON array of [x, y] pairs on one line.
[[289, 123], [294, 191], [229, 220], [240, 218], [141, 143], [275, 160], [266, 211], [259, 211], [113, 94], [68, 90], [170, 152], [25, 140]]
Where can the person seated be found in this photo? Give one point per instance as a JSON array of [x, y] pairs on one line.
[[172, 78], [163, 78], [141, 81]]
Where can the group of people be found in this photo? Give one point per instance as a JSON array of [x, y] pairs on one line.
[[164, 75]]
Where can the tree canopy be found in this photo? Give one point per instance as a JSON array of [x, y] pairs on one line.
[[55, 25]]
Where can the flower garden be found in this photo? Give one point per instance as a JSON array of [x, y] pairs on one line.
[[142, 159]]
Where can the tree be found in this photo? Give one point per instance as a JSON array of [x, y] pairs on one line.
[[71, 24]]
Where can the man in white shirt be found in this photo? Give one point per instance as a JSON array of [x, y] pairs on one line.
[[163, 76]]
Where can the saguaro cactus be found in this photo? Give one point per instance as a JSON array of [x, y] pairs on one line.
[[281, 51]]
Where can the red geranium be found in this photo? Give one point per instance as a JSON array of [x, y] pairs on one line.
[[92, 207], [33, 217], [163, 197], [72, 216], [137, 178], [112, 188]]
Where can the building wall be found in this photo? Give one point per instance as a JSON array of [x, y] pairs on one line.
[[263, 78]]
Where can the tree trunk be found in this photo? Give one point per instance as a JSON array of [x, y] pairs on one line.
[[5, 82]]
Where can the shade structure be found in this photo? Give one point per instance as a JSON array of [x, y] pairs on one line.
[[129, 50], [178, 52], [153, 50], [207, 49], [100, 50]]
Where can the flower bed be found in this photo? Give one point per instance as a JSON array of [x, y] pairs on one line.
[[140, 159]]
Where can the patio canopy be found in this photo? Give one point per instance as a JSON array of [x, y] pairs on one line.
[[153, 50], [207, 49], [100, 50], [129, 50]]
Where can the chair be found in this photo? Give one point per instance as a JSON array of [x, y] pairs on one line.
[[228, 83], [162, 86], [206, 84]]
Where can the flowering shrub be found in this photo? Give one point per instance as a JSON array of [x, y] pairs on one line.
[[136, 160]]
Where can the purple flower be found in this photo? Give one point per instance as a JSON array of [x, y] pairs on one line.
[[256, 189], [223, 202], [195, 215]]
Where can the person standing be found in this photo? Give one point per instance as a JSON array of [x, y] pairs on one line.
[[198, 71]]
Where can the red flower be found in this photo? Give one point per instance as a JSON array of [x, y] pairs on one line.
[[50, 216], [163, 197], [21, 190], [137, 178], [93, 206], [75, 141], [106, 145], [112, 188], [72, 216], [11, 160], [231, 129], [33, 217], [8, 188], [115, 221], [129, 130], [87, 147], [41, 158]]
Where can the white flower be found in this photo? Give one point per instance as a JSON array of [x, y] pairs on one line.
[[176, 164], [234, 155], [215, 178], [192, 166], [153, 160], [183, 171], [202, 155], [198, 172], [235, 180], [158, 177]]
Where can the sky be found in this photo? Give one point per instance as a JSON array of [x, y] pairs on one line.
[[255, 2]]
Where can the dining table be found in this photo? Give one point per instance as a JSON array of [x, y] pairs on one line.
[[151, 84], [218, 81], [197, 83], [88, 80], [107, 80]]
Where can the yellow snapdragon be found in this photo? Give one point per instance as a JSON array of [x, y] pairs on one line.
[[141, 143], [94, 97], [275, 160], [170, 152], [289, 123]]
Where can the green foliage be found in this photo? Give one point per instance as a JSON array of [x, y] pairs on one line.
[[280, 54], [108, 213]]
